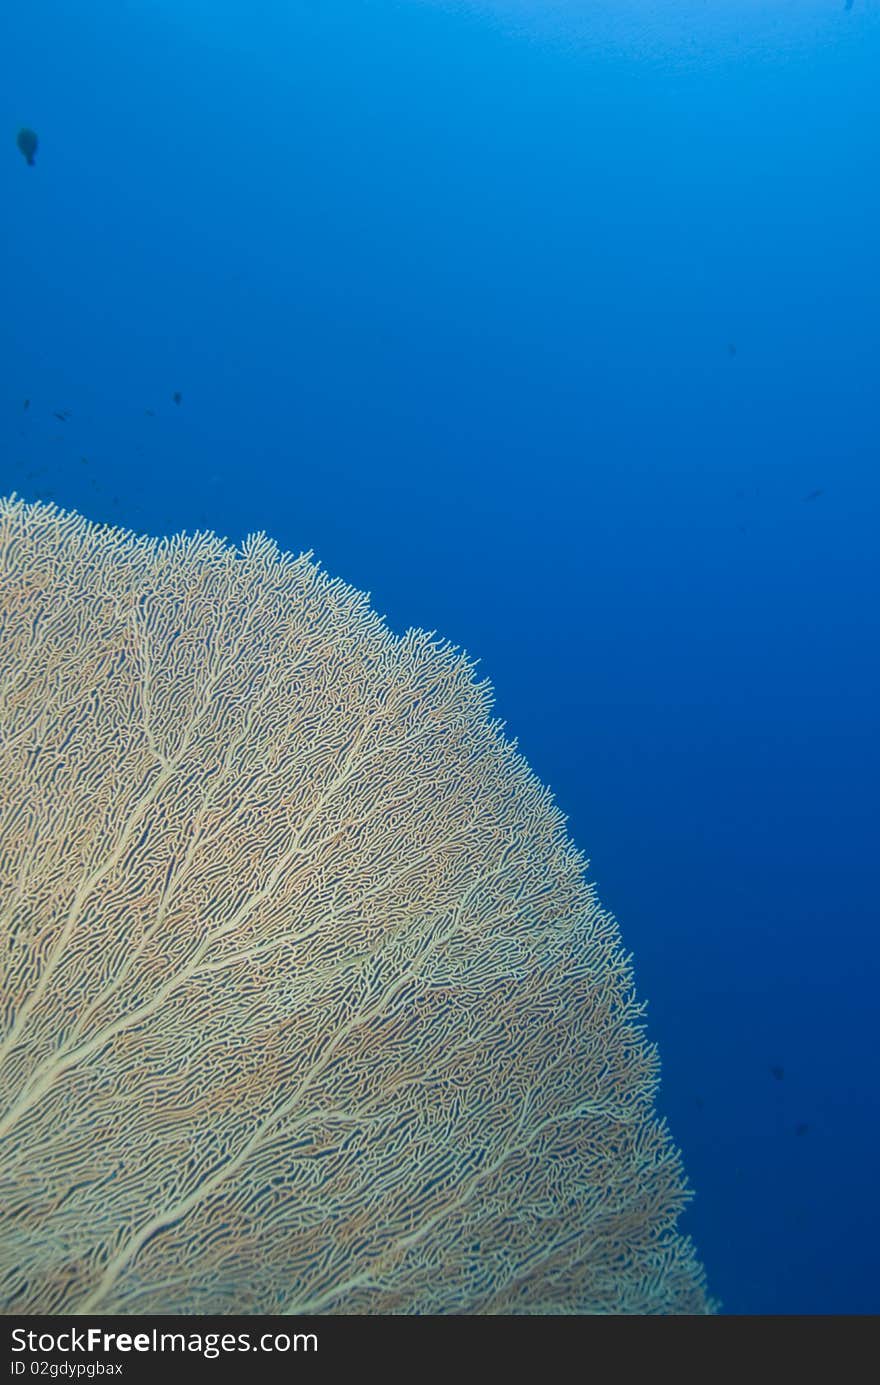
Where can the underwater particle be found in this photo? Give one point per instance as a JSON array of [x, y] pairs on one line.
[[177, 397], [27, 143], [27, 403], [801, 1129], [813, 495], [63, 416], [778, 1073], [149, 413]]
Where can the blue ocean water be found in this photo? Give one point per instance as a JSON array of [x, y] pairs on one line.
[[555, 327]]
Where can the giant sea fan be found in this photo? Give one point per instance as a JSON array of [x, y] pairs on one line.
[[307, 1004]]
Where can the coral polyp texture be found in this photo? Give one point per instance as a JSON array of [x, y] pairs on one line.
[[307, 1005]]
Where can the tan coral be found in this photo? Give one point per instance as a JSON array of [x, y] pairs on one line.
[[307, 1004]]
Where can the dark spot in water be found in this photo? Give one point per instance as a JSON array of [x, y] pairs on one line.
[[814, 495], [27, 143], [27, 403], [801, 1129], [177, 397], [778, 1072]]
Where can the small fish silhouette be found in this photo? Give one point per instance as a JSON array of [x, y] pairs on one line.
[[814, 495], [27, 143], [177, 396]]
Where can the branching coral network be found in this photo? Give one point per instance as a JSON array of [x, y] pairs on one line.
[[307, 1005]]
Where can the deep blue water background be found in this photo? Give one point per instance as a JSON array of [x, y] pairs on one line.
[[556, 327]]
